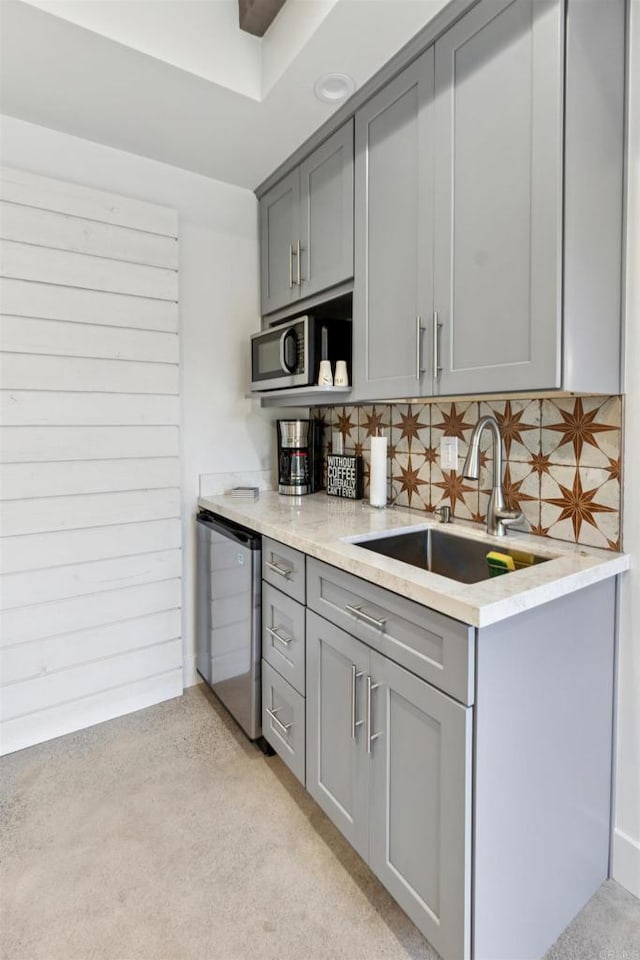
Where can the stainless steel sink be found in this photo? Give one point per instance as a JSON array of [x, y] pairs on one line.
[[451, 556]]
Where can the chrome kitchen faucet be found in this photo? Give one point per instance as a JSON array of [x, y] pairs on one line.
[[498, 517]]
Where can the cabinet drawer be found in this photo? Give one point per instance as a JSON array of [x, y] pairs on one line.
[[283, 635], [283, 567], [283, 720], [431, 645]]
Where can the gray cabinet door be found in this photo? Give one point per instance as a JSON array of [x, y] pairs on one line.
[[498, 181], [326, 202], [393, 291], [420, 815], [279, 235], [337, 769]]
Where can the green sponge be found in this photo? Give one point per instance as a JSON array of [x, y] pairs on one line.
[[499, 563]]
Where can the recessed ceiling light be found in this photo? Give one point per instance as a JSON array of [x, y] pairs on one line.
[[333, 87]]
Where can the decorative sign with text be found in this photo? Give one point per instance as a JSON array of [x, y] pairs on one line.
[[345, 476]]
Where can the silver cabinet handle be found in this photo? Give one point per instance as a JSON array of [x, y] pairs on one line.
[[299, 265], [290, 266], [370, 736], [277, 636], [285, 727], [355, 676], [283, 571], [419, 331], [436, 346], [362, 615]]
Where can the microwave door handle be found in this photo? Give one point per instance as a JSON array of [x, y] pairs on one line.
[[283, 365], [288, 364]]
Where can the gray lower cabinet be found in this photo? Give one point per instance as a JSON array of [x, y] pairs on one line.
[[306, 226], [389, 761], [283, 635], [337, 764], [283, 720], [284, 568], [393, 289], [420, 807], [470, 768]]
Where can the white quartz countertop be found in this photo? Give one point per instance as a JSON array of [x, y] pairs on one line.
[[318, 524]]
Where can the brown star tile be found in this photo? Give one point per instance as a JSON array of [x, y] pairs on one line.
[[410, 426], [373, 420], [450, 486], [346, 422], [521, 489], [539, 463], [519, 423], [539, 530], [614, 468], [573, 431], [453, 420], [409, 475], [581, 504]]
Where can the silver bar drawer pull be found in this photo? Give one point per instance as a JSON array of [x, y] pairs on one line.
[[290, 267], [362, 615], [370, 736], [355, 676], [278, 636], [283, 571], [285, 727]]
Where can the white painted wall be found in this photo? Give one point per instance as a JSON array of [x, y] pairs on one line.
[[221, 430], [626, 844], [200, 36], [90, 622]]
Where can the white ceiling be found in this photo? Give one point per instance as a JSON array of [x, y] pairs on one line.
[[176, 80]]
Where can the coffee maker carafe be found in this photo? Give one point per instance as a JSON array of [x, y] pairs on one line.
[[299, 456]]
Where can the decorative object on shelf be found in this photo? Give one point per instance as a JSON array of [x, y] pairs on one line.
[[341, 377], [325, 377], [345, 476], [378, 476]]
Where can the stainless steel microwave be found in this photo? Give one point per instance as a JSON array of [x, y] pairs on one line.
[[289, 354]]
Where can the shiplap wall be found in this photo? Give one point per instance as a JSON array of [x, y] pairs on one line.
[[90, 547]]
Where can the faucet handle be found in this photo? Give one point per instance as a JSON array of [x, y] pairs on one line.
[[508, 518], [444, 513]]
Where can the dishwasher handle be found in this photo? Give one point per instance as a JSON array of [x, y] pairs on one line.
[[230, 530]]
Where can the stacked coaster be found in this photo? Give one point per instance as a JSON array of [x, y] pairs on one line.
[[245, 493]]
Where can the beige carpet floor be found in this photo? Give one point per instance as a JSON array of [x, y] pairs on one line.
[[165, 835]]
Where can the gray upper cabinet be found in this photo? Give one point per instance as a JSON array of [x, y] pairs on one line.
[[488, 209], [498, 197], [306, 225], [420, 836], [393, 289], [279, 218], [326, 194]]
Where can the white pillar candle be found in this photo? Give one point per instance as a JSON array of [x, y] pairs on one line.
[[378, 477]]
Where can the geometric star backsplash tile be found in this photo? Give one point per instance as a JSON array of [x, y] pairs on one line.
[[561, 469]]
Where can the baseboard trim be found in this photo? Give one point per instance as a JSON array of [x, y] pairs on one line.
[[626, 862]]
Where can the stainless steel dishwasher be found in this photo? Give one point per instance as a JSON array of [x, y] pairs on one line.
[[229, 617]]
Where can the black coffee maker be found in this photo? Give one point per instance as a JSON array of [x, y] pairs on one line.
[[299, 456]]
